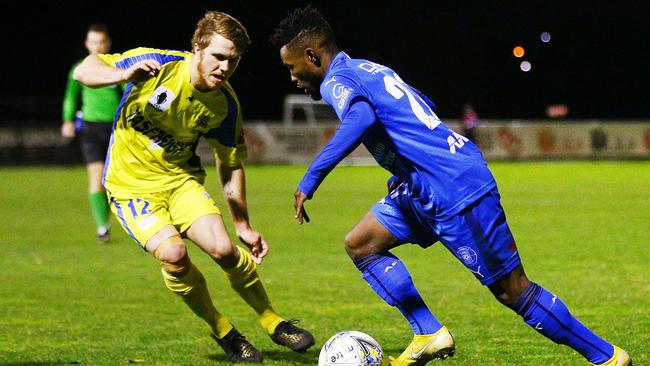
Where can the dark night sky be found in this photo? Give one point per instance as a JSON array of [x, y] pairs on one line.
[[454, 51]]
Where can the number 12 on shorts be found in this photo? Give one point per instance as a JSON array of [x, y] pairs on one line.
[[139, 207]]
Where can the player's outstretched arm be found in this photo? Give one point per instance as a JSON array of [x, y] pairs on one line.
[[233, 181], [95, 73], [355, 122]]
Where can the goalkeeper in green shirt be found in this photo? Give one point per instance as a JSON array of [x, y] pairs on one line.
[[90, 113]]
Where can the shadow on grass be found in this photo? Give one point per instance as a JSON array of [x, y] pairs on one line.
[[307, 358]]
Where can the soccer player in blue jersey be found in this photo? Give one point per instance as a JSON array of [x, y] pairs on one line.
[[154, 178], [441, 190]]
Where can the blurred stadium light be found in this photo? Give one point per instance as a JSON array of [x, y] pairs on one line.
[[525, 66], [518, 51]]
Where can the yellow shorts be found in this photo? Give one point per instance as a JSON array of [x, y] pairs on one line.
[[144, 215]]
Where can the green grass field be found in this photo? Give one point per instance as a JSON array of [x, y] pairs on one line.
[[582, 228]]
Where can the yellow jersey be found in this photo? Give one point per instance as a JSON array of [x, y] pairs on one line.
[[159, 122]]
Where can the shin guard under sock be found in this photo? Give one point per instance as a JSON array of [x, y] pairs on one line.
[[390, 279], [547, 314]]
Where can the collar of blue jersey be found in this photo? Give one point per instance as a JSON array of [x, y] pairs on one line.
[[339, 58]]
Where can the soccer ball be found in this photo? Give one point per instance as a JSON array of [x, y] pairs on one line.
[[351, 348]]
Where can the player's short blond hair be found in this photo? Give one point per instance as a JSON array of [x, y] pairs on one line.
[[223, 24]]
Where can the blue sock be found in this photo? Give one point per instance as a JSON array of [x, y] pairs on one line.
[[390, 279], [547, 314]]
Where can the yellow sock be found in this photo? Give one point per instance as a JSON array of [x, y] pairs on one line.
[[191, 287], [269, 320], [244, 279]]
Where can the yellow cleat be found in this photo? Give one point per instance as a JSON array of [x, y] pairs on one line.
[[620, 358], [426, 347]]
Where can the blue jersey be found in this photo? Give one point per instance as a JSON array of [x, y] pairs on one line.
[[444, 171]]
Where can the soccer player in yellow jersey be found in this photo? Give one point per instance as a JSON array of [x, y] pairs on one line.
[[154, 179]]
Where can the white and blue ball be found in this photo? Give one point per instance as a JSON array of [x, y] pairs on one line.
[[351, 348]]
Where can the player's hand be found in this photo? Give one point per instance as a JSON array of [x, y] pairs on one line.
[[142, 71], [255, 242], [299, 199], [67, 130]]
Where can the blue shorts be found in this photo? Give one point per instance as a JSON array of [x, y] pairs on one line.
[[478, 236]]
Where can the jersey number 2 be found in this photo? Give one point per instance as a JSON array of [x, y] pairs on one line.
[[397, 88]]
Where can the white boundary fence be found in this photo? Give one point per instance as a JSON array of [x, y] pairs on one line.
[[295, 144], [277, 143]]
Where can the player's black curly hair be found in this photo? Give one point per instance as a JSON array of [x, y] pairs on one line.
[[300, 24]]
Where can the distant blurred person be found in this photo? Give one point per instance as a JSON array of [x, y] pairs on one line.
[[557, 111], [94, 124], [469, 120]]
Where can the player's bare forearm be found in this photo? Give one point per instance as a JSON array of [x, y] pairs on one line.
[[95, 73], [233, 181]]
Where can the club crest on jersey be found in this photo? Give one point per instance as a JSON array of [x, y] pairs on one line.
[[467, 255], [340, 92], [162, 98]]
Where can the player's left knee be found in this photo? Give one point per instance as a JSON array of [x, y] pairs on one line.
[[172, 255], [510, 287], [355, 246], [500, 294], [223, 250]]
